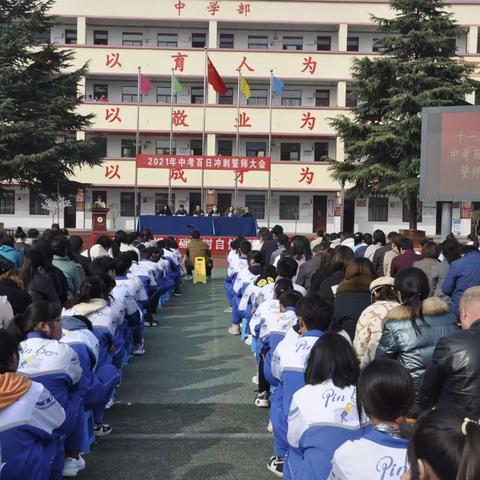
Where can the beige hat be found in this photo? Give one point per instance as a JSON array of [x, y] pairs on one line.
[[380, 282]]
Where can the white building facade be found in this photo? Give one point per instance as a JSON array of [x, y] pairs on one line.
[[310, 45]]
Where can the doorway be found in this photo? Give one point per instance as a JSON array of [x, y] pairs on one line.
[[70, 213], [195, 198], [224, 200], [319, 212], [349, 215]]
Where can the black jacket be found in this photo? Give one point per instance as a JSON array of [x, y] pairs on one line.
[[453, 376], [378, 258], [268, 247], [325, 291], [19, 299]]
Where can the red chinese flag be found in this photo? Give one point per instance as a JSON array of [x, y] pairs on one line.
[[215, 80], [145, 85]]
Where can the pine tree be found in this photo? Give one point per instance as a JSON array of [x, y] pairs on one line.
[[417, 69], [38, 102]]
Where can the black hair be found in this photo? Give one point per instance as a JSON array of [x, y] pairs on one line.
[[256, 256], [341, 258], [35, 313], [234, 244], [123, 264], [91, 287], [358, 238], [133, 255], [100, 267], [379, 237], [282, 285], [42, 245], [332, 357], [283, 239], [120, 237], [245, 247], [300, 247], [289, 298], [413, 286], [161, 243], [385, 390], [277, 230], [287, 267], [8, 351], [315, 312], [405, 243], [104, 241], [438, 439], [367, 238], [35, 260], [33, 233], [6, 240], [59, 246], [195, 234], [19, 233], [450, 250], [76, 243], [430, 249], [172, 243]]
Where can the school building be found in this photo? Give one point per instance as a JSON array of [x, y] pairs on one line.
[[309, 45]]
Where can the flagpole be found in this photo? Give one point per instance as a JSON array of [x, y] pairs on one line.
[[170, 144], [205, 99], [237, 138], [137, 149], [269, 191]]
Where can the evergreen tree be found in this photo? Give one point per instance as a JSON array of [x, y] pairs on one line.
[[417, 69], [38, 102]]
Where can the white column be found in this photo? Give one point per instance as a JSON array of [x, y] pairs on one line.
[[472, 40], [341, 93], [340, 150], [342, 37], [81, 30], [82, 87], [212, 34], [211, 144]]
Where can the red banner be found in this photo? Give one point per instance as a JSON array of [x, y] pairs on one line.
[[217, 245], [204, 162]]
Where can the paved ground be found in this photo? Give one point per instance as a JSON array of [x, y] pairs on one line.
[[185, 410]]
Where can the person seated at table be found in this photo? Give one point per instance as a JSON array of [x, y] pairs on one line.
[[181, 212], [230, 212], [197, 248], [165, 211], [198, 212], [247, 212], [214, 212]]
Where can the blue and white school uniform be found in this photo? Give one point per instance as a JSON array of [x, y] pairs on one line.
[[266, 292], [272, 305], [97, 384], [232, 259], [275, 325], [28, 444], [322, 417], [376, 456], [135, 287], [286, 371]]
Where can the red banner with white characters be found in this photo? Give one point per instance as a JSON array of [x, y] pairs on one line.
[[217, 245], [204, 162]]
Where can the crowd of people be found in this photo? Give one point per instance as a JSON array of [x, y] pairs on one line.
[[165, 210], [71, 320], [367, 353]]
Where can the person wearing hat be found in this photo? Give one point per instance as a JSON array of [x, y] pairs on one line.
[[370, 324]]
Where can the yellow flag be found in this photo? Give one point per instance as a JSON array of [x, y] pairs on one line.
[[245, 88]]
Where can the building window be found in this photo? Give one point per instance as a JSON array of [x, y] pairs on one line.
[[129, 94], [7, 202], [43, 36], [256, 42], [161, 199], [290, 151], [289, 206], [378, 45], [167, 40], [132, 39], [100, 92], [100, 37], [163, 94], [406, 211], [350, 99], [225, 148], [162, 147], [321, 151], [199, 40], [292, 98], [353, 44], [324, 43], [70, 37], [258, 96], [102, 145], [127, 204], [322, 98], [292, 43], [256, 149], [226, 99], [227, 40], [128, 147], [256, 204], [197, 95], [378, 209], [196, 147], [36, 200]]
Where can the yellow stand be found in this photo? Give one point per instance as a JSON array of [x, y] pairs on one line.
[[200, 271]]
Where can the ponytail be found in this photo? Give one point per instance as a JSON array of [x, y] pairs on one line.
[[91, 287], [416, 311], [469, 468]]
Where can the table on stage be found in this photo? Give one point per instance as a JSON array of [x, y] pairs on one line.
[[210, 226]]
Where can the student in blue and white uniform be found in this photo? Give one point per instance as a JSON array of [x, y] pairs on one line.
[[237, 263], [323, 414], [386, 392], [57, 367], [96, 384], [286, 370], [29, 415]]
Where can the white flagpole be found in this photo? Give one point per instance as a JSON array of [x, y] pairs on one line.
[[269, 192], [137, 149], [237, 138], [170, 144], [205, 99]]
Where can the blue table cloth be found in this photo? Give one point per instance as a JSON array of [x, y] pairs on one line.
[[207, 226]]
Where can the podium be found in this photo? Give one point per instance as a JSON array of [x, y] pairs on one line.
[[99, 217]]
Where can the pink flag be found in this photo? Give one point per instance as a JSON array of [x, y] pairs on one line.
[[145, 85]]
